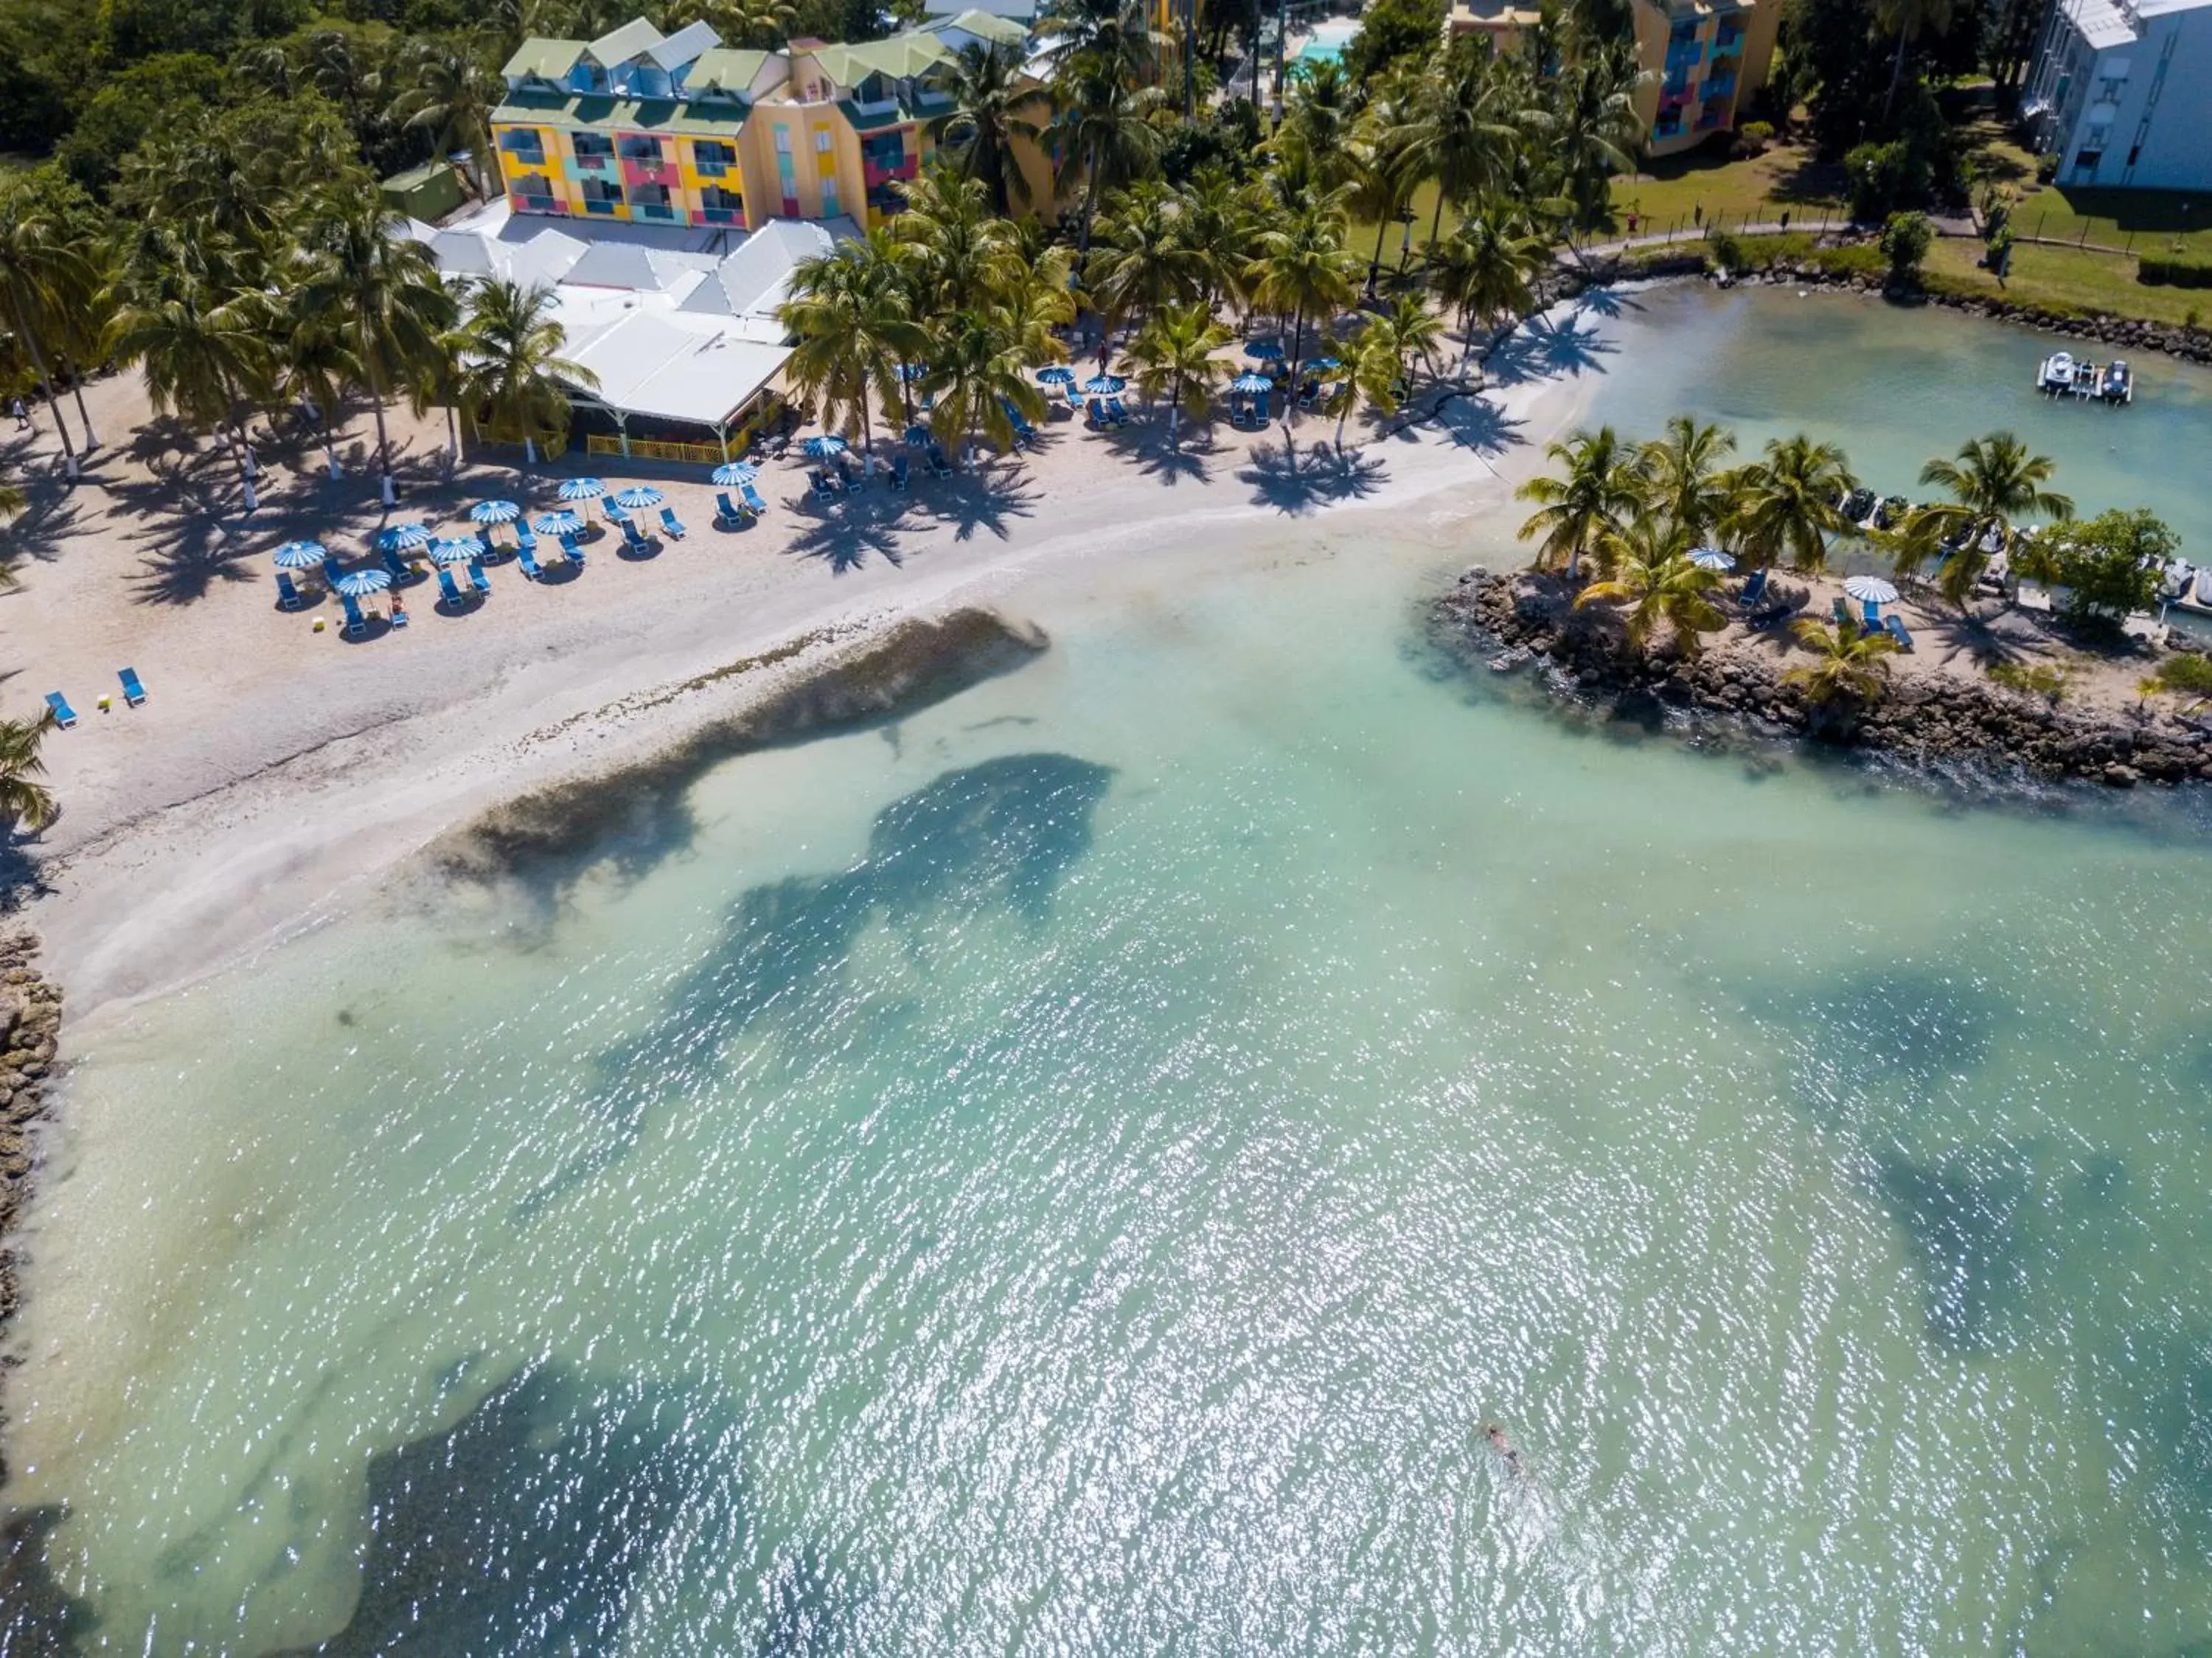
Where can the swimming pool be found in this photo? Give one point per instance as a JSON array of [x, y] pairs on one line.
[[1329, 40]]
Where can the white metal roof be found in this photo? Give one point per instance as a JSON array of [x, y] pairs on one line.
[[685, 45], [641, 270], [676, 366]]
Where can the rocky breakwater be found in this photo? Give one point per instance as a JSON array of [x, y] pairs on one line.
[[1516, 621], [30, 1025]]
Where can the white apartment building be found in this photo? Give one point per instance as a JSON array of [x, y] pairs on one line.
[[2122, 91]]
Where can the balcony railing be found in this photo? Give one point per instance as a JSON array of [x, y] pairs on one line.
[[592, 204]]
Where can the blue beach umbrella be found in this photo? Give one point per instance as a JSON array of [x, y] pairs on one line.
[[918, 436], [1871, 588], [582, 489], [1322, 365], [730, 473], [1058, 374], [556, 523], [403, 538], [1104, 386], [1264, 351], [1712, 558], [494, 512], [825, 446], [299, 555], [456, 550], [1248, 384], [362, 583], [638, 496]]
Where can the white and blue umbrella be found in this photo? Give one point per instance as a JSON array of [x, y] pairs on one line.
[[638, 496], [1871, 588], [825, 446], [1058, 374], [556, 523], [456, 550], [299, 555], [1712, 558], [403, 538], [362, 583], [1264, 351], [1322, 365], [582, 489], [1250, 384], [1104, 386], [730, 473], [494, 512]]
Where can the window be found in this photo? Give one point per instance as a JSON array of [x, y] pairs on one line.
[[822, 141], [829, 198], [533, 185], [648, 195], [712, 157], [635, 148], [590, 146], [715, 200], [783, 141]]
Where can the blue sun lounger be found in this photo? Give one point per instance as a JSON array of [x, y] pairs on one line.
[[938, 466], [478, 580], [670, 523], [822, 488], [1096, 412], [526, 556], [1024, 434], [64, 715], [752, 499], [572, 548], [1115, 412], [1870, 617], [524, 540], [288, 596], [899, 473], [134, 692], [1753, 590], [1842, 611], [637, 542], [354, 621], [395, 565], [448, 588], [727, 511], [1898, 632]]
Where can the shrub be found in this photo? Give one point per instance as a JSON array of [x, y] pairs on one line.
[[2189, 674], [2157, 268], [1753, 137], [1906, 240], [1858, 259], [2109, 564], [2046, 167], [1887, 179], [2040, 680], [1727, 251]]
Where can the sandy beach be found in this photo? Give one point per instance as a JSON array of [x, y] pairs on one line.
[[277, 772]]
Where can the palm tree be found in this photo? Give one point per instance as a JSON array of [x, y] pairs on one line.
[[1214, 221], [512, 369], [1600, 490], [1588, 130], [1384, 166], [1107, 138], [1142, 261], [204, 347], [1111, 38], [962, 254], [1994, 481], [318, 363], [1318, 127], [1407, 331], [1906, 20], [1790, 503], [1173, 355], [1304, 271], [1689, 490], [993, 113], [385, 291], [38, 268], [1460, 135], [1370, 374], [23, 801], [976, 373], [762, 25], [1659, 583], [1484, 268], [1847, 667], [450, 94], [848, 312]]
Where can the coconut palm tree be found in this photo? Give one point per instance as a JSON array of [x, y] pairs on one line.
[[1601, 488], [976, 373], [450, 94], [1994, 481], [1656, 579], [1318, 127], [38, 268], [204, 348], [1383, 164], [1690, 491], [1106, 137], [1173, 356], [385, 291], [1484, 268], [1407, 332], [962, 254], [993, 111], [849, 315], [513, 379], [24, 802], [1788, 505], [1370, 375], [1586, 130], [762, 25], [1847, 666], [1907, 20], [1142, 261], [1112, 38], [316, 362], [1461, 134], [1304, 272], [1215, 220]]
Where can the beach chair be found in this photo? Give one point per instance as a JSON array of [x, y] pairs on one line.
[[572, 549], [620, 521], [751, 497], [524, 540], [398, 614], [527, 557], [394, 564], [478, 580], [938, 466], [670, 523], [448, 588], [727, 511], [1024, 434], [899, 473], [1869, 617], [64, 715], [634, 538], [1095, 412], [1260, 413], [1842, 611], [1753, 590], [288, 596], [134, 692], [354, 621], [823, 490], [1898, 632], [1115, 412]]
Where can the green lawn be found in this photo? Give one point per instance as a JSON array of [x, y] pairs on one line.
[[2064, 278], [2134, 221], [1786, 180]]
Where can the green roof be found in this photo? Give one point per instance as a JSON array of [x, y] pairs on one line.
[[706, 117], [550, 60], [901, 55], [999, 31], [728, 69], [620, 45]]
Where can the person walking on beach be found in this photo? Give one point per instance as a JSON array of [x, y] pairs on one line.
[[22, 416]]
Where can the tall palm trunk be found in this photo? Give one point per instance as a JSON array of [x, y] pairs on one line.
[[1437, 220], [868, 435], [77, 391], [383, 436], [1089, 202], [1297, 367], [1375, 265], [1175, 412], [1896, 79], [39, 363]]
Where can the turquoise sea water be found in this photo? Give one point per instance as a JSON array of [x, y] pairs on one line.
[[1075, 1171]]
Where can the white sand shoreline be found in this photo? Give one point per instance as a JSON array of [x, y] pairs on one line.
[[275, 778]]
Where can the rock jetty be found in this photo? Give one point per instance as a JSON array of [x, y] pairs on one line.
[[30, 1026]]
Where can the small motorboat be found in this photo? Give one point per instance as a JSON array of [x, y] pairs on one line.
[[2058, 374], [1890, 510], [2117, 385], [2205, 587], [1856, 505]]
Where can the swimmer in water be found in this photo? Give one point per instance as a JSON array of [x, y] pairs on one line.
[[1504, 1446]]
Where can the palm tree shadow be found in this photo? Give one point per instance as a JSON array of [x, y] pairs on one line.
[[1979, 637], [1295, 487], [1483, 427], [987, 499], [1542, 350], [52, 514], [1173, 466], [188, 566], [846, 541]]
